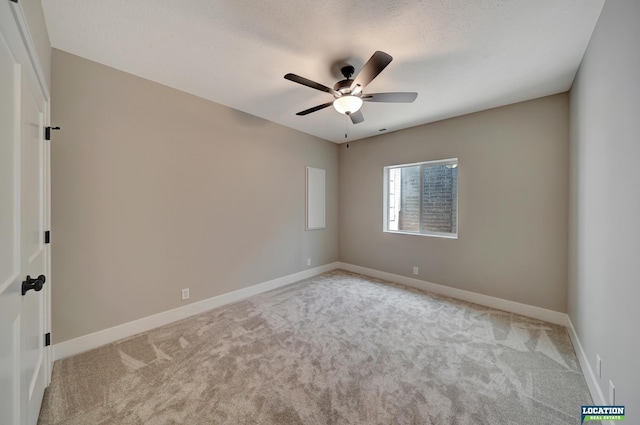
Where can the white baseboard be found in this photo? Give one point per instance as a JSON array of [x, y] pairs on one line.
[[106, 336], [486, 300], [587, 371]]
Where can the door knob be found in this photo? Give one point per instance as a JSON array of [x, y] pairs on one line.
[[35, 284]]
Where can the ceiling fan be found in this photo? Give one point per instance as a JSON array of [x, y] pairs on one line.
[[347, 93]]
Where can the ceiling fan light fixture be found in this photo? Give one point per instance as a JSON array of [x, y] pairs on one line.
[[347, 104]]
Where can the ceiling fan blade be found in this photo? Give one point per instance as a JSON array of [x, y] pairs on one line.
[[306, 82], [356, 117], [315, 108], [393, 97], [374, 66]]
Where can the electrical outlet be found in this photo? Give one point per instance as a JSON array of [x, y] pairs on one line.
[[599, 366], [415, 270], [185, 294], [308, 261], [612, 394]]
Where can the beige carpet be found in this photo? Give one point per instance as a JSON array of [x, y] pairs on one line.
[[335, 349]]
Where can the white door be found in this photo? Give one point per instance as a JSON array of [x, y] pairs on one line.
[[24, 361], [32, 248]]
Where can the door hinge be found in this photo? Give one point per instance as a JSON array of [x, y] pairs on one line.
[[47, 339], [47, 236], [47, 132]]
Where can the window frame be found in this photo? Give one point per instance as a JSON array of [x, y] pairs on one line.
[[385, 199]]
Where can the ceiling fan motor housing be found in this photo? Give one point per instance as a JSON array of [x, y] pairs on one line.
[[344, 86]]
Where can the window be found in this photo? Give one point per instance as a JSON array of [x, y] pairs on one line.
[[422, 198]]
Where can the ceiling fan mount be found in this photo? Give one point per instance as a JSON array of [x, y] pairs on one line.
[[347, 93], [347, 71]]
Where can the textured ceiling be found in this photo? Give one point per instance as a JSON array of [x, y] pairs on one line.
[[461, 56]]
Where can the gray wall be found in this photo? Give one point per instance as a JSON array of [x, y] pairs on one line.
[[512, 203], [155, 190], [604, 267]]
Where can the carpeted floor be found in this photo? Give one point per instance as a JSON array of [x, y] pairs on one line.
[[338, 348]]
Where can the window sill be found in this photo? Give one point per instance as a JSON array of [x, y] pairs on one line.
[[433, 235]]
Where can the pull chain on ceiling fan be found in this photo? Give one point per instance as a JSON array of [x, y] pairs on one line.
[[347, 93]]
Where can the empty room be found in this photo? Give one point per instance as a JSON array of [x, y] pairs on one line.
[[336, 212]]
